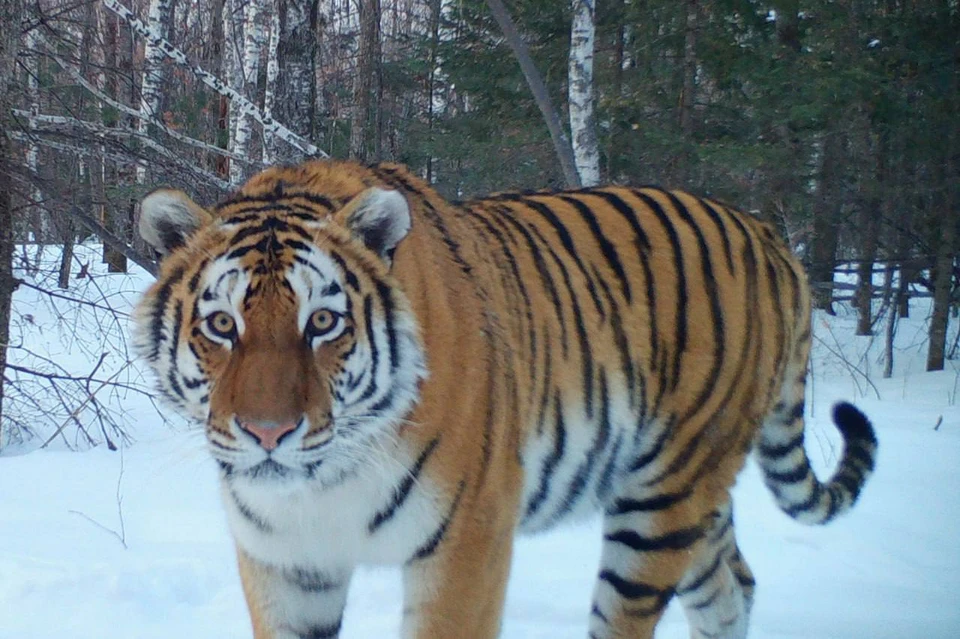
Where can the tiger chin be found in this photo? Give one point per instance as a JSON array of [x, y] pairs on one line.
[[385, 377]]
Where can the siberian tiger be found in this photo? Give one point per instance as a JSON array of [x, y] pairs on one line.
[[387, 377]]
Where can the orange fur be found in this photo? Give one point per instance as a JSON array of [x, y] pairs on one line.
[[546, 319]]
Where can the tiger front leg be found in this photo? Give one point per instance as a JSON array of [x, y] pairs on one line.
[[457, 587], [293, 603]]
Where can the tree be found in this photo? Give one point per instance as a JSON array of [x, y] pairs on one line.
[[364, 129], [583, 124], [561, 143], [11, 15]]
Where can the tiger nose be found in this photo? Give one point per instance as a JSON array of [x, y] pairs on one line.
[[268, 434]]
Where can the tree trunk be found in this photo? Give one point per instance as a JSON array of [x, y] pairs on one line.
[[252, 47], [296, 88], [561, 144], [583, 122], [825, 231], [943, 284], [31, 63], [436, 9], [11, 15], [269, 150], [159, 17], [687, 96], [366, 86], [871, 213], [218, 56]]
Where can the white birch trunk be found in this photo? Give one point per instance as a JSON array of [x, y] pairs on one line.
[[269, 91], [252, 49], [33, 151], [158, 20], [583, 124]]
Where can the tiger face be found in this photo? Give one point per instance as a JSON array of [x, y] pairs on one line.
[[283, 332]]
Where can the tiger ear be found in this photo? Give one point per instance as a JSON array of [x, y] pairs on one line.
[[168, 217], [379, 218]]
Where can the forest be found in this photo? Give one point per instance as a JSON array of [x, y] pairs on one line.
[[836, 121]]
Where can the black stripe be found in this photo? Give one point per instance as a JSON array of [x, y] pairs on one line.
[[655, 450], [810, 503], [505, 216], [605, 483], [402, 491], [606, 246], [547, 213], [330, 631], [545, 393], [642, 244], [717, 220], [596, 612], [374, 351], [796, 412], [434, 540], [174, 372], [586, 354], [585, 470], [552, 461], [716, 311], [386, 300], [660, 502], [706, 603], [674, 540], [621, 341], [634, 589], [348, 273], [159, 308], [256, 520], [704, 576], [680, 332], [517, 281], [776, 451], [311, 581]]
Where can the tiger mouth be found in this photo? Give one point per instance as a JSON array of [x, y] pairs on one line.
[[268, 469]]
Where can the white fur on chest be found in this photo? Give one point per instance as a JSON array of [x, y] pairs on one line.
[[308, 526]]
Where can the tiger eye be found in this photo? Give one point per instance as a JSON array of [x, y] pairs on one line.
[[222, 325], [322, 321]]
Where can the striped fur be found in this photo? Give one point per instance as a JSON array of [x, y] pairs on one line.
[[386, 377]]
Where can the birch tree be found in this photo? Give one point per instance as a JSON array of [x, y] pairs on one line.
[[583, 121], [158, 20], [253, 42], [32, 70], [270, 87]]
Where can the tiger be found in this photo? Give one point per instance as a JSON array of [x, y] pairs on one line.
[[387, 377]]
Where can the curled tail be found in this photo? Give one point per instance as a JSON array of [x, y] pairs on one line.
[[787, 472]]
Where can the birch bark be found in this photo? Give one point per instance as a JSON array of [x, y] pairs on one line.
[[270, 87], [252, 48], [583, 122], [158, 20]]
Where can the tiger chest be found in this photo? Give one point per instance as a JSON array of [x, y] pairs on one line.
[[357, 521]]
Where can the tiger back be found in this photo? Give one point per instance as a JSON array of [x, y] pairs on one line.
[[387, 377]]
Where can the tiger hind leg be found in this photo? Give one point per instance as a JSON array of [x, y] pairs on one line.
[[717, 590], [649, 543]]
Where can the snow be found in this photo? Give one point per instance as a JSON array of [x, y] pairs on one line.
[[890, 569]]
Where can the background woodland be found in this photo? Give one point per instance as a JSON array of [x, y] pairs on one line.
[[834, 120]]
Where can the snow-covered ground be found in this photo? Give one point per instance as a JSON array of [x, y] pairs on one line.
[[890, 569]]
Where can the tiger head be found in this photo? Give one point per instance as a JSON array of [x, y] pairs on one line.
[[275, 321]]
